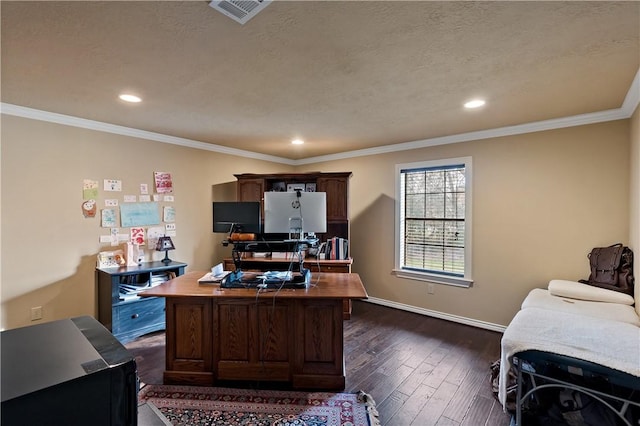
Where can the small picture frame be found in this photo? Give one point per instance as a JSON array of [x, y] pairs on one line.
[[310, 187], [278, 187], [293, 187]]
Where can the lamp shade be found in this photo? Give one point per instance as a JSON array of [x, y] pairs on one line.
[[165, 244]]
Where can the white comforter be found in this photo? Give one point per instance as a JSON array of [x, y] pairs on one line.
[[613, 344]]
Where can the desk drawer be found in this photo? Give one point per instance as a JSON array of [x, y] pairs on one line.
[[314, 267], [140, 317]]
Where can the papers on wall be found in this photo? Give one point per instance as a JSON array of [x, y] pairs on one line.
[[164, 184], [139, 214]]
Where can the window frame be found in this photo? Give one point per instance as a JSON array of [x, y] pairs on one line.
[[432, 276]]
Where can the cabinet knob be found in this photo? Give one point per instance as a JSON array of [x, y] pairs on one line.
[[134, 316]]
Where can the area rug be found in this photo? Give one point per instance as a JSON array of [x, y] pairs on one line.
[[197, 405]]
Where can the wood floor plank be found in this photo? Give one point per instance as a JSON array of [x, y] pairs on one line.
[[445, 421], [412, 406], [466, 393], [411, 383], [435, 406], [478, 413], [390, 406]]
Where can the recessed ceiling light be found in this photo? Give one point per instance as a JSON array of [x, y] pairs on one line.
[[476, 103], [130, 98], [297, 141]]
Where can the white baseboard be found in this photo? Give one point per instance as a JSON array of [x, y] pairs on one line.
[[442, 315]]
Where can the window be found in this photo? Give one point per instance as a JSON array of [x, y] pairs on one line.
[[433, 221]]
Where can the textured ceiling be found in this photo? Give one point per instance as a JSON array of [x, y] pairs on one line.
[[342, 75]]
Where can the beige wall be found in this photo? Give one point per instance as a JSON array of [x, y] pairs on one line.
[[634, 196], [49, 249], [541, 201], [536, 210]]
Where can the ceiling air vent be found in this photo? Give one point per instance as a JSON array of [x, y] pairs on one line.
[[239, 10]]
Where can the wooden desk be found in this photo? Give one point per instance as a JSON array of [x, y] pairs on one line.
[[290, 336]]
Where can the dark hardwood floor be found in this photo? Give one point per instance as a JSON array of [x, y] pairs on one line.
[[420, 370]]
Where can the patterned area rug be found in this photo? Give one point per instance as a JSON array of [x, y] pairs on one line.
[[197, 405]]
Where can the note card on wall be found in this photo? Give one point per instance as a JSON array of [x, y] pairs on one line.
[[139, 214]]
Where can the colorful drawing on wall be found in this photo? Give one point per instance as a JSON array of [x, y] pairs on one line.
[[169, 214], [89, 189], [137, 236], [108, 218], [144, 188], [112, 185], [164, 184], [89, 208], [139, 214]]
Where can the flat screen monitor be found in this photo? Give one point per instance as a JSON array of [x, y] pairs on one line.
[[295, 212], [236, 216]]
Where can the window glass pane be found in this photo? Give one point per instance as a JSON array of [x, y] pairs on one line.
[[434, 232], [414, 231], [454, 234], [454, 260], [414, 183], [434, 182], [435, 206], [433, 258], [454, 206], [455, 180], [414, 253], [415, 205]]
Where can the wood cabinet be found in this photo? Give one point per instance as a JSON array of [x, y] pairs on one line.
[[251, 187], [128, 316]]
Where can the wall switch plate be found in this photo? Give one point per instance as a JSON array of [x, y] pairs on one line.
[[430, 288], [36, 313]]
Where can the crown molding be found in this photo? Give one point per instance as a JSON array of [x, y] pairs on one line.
[[68, 120], [633, 96], [626, 110], [538, 126]]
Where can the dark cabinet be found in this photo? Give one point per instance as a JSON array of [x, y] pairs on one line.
[[337, 189], [251, 187]]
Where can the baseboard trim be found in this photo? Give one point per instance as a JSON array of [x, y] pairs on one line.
[[436, 314]]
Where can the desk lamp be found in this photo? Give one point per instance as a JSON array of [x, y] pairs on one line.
[[165, 244]]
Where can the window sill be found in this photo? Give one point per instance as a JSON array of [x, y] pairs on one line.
[[433, 278]]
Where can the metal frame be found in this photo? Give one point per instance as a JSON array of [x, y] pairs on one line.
[[576, 367]]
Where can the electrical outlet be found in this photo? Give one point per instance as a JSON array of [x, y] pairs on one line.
[[36, 313], [430, 288]]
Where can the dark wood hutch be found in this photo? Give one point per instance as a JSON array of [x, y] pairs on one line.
[[251, 187]]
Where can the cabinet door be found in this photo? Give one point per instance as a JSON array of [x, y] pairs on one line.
[[337, 196], [250, 189]]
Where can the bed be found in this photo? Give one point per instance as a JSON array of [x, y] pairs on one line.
[[588, 343]]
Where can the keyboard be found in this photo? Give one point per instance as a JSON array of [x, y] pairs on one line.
[[266, 284]]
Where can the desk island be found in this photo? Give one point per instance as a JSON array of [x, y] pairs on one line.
[[292, 336]]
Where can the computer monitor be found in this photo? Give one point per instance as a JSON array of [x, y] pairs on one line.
[[236, 216], [295, 212]]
